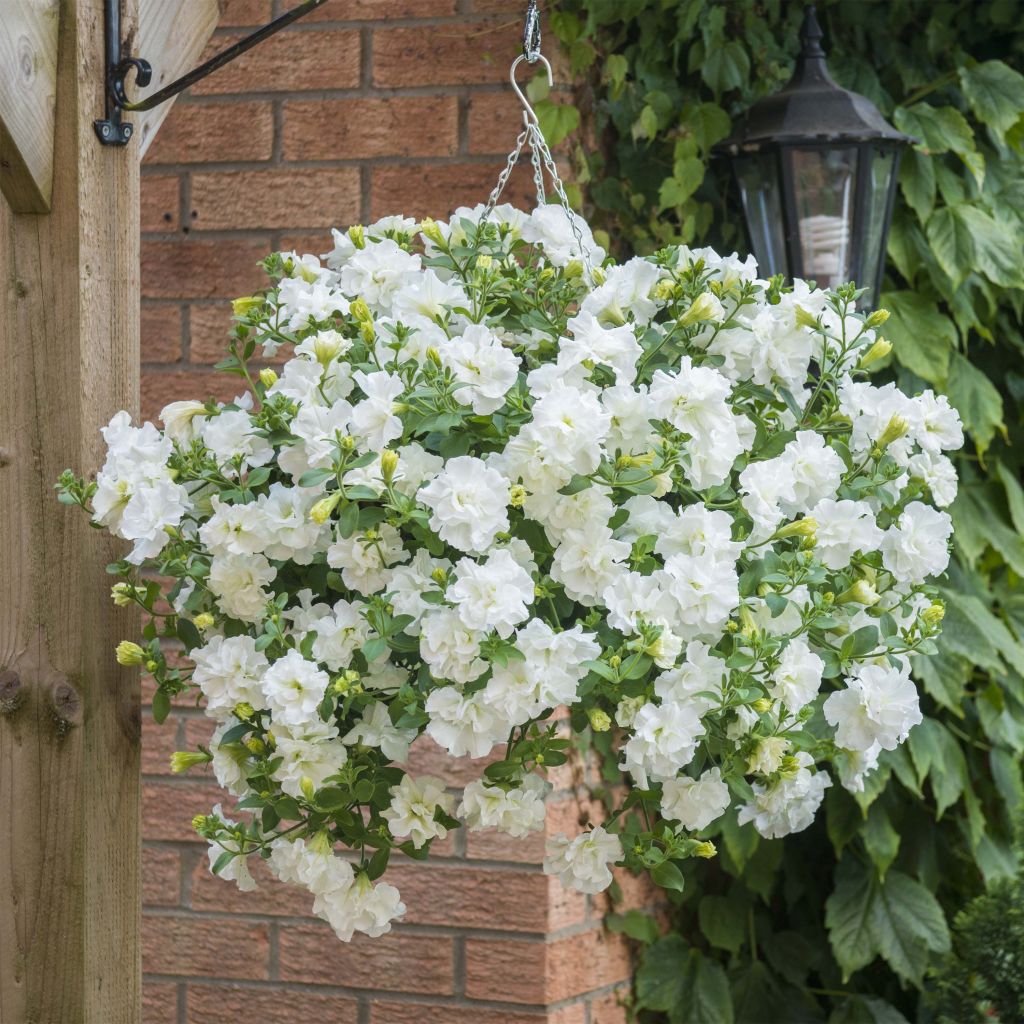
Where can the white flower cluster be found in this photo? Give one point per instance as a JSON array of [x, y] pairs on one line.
[[483, 488]]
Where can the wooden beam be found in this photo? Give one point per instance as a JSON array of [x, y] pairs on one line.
[[172, 37], [28, 90], [69, 716]]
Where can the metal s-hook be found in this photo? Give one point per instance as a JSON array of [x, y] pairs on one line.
[[529, 115]]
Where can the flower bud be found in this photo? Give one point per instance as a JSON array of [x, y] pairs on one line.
[[439, 576], [517, 495], [805, 319], [598, 276], [151, 665], [573, 270], [861, 592], [203, 621], [626, 711], [806, 527], [432, 232], [322, 510], [182, 760], [877, 318], [704, 307], [357, 235], [360, 311], [244, 711], [614, 661], [665, 289], [896, 428], [268, 378], [348, 443], [748, 627], [129, 653], [367, 331], [307, 787], [761, 705], [706, 850], [879, 350], [199, 822], [434, 356], [484, 261], [255, 745], [321, 843], [599, 720], [122, 594], [934, 614], [388, 464], [789, 765], [243, 305]]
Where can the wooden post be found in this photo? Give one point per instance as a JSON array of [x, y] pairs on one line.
[[69, 716]]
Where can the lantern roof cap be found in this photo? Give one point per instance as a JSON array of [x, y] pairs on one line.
[[812, 107]]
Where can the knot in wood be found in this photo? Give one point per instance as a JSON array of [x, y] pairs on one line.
[[66, 704], [12, 693]]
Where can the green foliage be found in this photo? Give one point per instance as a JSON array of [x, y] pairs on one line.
[[841, 922]]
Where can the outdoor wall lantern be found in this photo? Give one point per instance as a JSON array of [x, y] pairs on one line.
[[816, 168]]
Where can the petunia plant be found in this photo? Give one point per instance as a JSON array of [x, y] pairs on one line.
[[503, 492]]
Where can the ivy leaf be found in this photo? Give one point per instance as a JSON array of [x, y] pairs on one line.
[[686, 179], [708, 122], [675, 978], [942, 130], [723, 922], [995, 93], [995, 247], [917, 180], [977, 400], [659, 979], [557, 120], [1014, 496], [922, 336], [952, 243], [937, 757], [725, 66]]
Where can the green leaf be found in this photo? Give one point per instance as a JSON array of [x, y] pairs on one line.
[[686, 179], [740, 840], [726, 67], [977, 400], [995, 246], [636, 924], [922, 337], [557, 120], [995, 93], [659, 979], [161, 707], [898, 919], [917, 180], [952, 242], [881, 840], [708, 122], [666, 874], [723, 922], [1014, 495]]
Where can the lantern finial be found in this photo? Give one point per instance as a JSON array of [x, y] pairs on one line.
[[811, 35]]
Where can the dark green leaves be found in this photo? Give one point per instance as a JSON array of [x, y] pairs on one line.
[[680, 980]]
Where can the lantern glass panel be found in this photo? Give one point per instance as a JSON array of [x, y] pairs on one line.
[[823, 188], [880, 171], [758, 180]]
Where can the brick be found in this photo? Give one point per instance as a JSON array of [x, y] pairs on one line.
[[495, 119], [544, 973], [499, 7], [275, 199], [317, 242], [370, 127], [161, 333], [209, 326], [460, 53], [610, 1008], [427, 758], [294, 60], [159, 202], [160, 877], [476, 897], [383, 1011], [405, 963], [377, 10], [436, 190], [205, 946], [562, 816], [160, 388], [244, 12], [159, 1002], [214, 132], [228, 1004], [201, 269], [158, 743], [169, 807]]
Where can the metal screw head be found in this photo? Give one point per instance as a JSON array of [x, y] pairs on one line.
[[106, 130], [127, 131]]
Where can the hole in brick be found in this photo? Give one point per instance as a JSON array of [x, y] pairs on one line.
[[167, 218], [193, 214]]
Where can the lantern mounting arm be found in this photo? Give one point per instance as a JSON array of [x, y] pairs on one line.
[[111, 129]]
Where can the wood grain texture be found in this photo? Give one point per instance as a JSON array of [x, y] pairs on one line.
[[69, 716], [28, 89], [172, 37]]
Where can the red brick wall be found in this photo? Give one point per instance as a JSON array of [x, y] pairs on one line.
[[367, 107]]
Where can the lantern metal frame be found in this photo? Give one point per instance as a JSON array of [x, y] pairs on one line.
[[812, 113]]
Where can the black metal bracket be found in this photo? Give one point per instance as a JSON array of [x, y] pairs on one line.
[[112, 130]]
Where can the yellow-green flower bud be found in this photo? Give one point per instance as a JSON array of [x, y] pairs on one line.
[[246, 303], [877, 318], [357, 235], [706, 850], [806, 527], [598, 276], [268, 378], [388, 464], [360, 311], [789, 765], [244, 711], [439, 576], [517, 495], [434, 356], [129, 653], [321, 511], [861, 592], [484, 261], [879, 350], [307, 787], [896, 428], [805, 319], [151, 665], [599, 720], [182, 760], [934, 614], [432, 232], [347, 443], [199, 822], [122, 594], [704, 307], [614, 661], [255, 745], [665, 289], [203, 621], [321, 843], [572, 270], [761, 705]]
